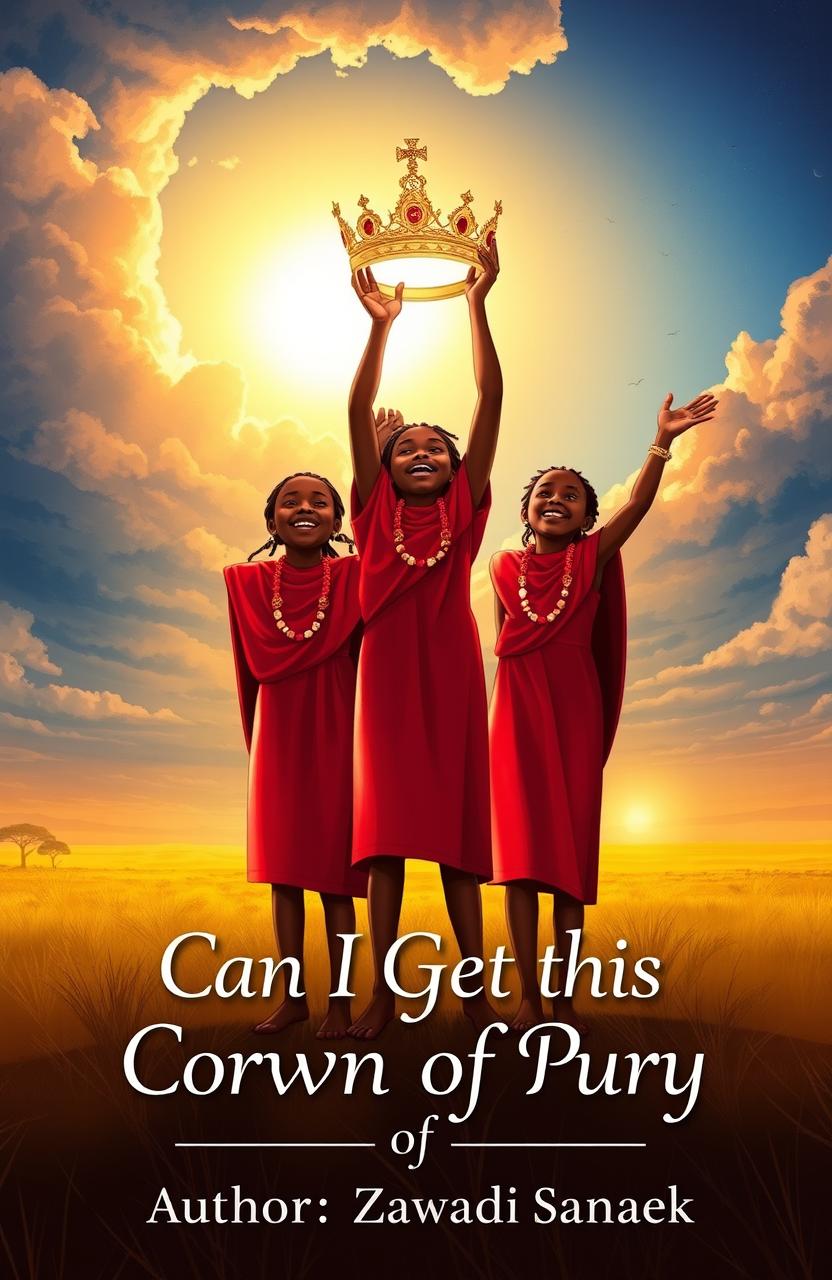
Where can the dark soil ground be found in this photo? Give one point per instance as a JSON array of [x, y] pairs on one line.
[[85, 1157]]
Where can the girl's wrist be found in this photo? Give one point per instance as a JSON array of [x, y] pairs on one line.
[[664, 439]]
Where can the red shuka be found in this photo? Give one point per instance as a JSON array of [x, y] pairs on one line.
[[554, 712], [421, 719], [297, 700]]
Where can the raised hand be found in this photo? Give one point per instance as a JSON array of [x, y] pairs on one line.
[[673, 422], [373, 300], [387, 421], [480, 279]]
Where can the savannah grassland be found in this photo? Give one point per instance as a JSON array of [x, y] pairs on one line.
[[744, 934], [745, 938]]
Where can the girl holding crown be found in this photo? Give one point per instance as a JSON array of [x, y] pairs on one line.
[[421, 734], [561, 642], [294, 630]]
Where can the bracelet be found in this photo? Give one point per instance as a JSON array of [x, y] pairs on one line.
[[657, 449]]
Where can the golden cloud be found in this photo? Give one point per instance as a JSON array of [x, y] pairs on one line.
[[16, 639]]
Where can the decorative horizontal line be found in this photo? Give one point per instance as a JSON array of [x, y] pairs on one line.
[[548, 1144], [274, 1144]]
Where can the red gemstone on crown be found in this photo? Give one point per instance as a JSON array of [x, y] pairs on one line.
[[462, 225], [344, 238], [369, 226], [413, 213], [489, 239]]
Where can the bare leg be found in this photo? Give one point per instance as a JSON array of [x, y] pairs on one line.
[[384, 907], [464, 903], [521, 916], [568, 914], [289, 916], [339, 916]]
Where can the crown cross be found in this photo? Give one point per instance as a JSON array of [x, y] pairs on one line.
[[411, 152]]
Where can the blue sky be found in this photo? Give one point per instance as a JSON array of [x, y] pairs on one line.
[[673, 150]]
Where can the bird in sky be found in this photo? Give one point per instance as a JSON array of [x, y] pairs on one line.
[[671, 333], [637, 382]]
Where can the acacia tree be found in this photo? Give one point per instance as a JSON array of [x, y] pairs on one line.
[[54, 849], [25, 836]]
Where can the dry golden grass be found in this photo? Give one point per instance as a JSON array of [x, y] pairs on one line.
[[744, 932]]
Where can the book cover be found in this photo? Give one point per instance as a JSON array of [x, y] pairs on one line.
[[311, 963]]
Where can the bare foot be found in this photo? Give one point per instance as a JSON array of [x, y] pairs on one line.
[[373, 1020], [479, 1013], [529, 1014], [562, 1011], [284, 1015], [337, 1021]]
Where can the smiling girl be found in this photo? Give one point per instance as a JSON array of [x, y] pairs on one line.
[[421, 733], [561, 644], [294, 629]]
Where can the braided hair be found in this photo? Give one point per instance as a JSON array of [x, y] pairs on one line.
[[274, 541], [394, 437], [592, 506]]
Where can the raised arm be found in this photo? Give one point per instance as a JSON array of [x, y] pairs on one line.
[[671, 423], [364, 444], [485, 424]]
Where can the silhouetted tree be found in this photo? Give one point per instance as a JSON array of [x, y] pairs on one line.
[[25, 836], [54, 849]]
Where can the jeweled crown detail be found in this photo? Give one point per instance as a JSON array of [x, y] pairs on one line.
[[415, 229]]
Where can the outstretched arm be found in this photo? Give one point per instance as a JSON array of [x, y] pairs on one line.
[[671, 423], [485, 424], [366, 457]]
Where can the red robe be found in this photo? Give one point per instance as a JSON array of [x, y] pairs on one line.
[[297, 700], [421, 718], [554, 712]]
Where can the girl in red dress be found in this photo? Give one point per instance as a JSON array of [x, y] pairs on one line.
[[294, 631], [561, 642], [421, 730]]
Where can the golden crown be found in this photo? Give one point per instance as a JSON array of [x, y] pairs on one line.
[[416, 230]]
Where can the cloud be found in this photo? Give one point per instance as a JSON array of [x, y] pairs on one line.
[[478, 47], [20, 649], [230, 163], [209, 551], [183, 599], [173, 647], [81, 447], [788, 686], [83, 704], [37, 727], [687, 695], [796, 625], [16, 639]]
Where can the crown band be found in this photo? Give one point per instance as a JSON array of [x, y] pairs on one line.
[[425, 292]]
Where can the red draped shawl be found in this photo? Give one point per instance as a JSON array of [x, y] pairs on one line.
[[297, 701], [554, 712], [421, 729]]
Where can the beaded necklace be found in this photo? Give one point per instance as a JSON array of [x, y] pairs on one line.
[[301, 633], [444, 537], [566, 583]]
